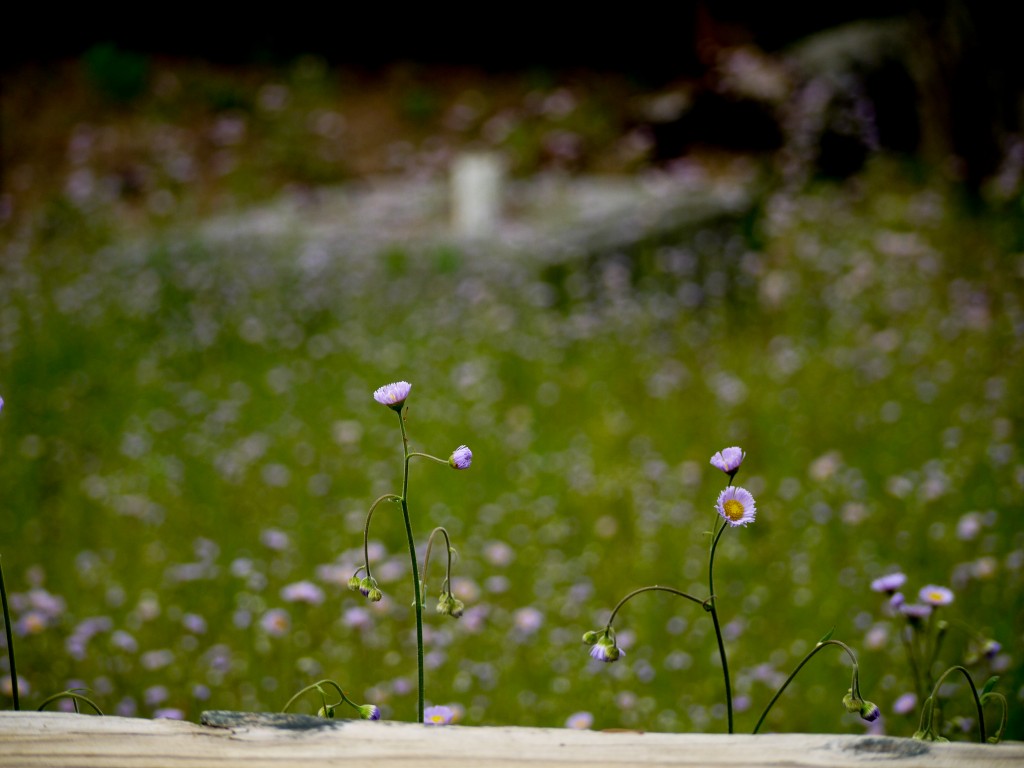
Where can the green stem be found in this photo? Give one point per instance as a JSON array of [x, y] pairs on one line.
[[366, 530], [654, 588], [75, 697], [1002, 720], [10, 639], [427, 456], [974, 692], [718, 629], [323, 697], [908, 644], [415, 570], [800, 666], [446, 587]]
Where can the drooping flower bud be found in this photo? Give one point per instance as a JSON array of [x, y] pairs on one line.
[[369, 712]]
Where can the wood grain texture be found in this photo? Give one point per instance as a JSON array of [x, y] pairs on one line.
[[58, 739]]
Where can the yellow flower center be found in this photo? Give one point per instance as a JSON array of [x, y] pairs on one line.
[[733, 510], [437, 719]]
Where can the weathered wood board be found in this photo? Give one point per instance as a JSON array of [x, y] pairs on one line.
[[58, 739]]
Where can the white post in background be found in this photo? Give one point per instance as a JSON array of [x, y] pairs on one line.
[[476, 179]]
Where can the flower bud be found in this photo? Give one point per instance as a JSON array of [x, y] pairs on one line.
[[461, 458], [375, 595], [869, 711], [326, 712], [354, 583], [590, 637], [369, 712], [852, 704], [366, 584]]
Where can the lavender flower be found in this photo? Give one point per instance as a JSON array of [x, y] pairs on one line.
[[393, 395], [303, 592], [438, 715], [933, 595], [606, 650], [736, 505], [728, 460], [579, 721], [889, 584], [461, 458], [915, 611], [905, 704], [276, 622]]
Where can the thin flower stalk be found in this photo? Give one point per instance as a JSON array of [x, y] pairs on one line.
[[366, 711], [415, 571], [10, 638], [366, 530], [712, 608], [75, 697], [854, 686], [929, 729]]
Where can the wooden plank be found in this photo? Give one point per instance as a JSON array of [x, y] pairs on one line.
[[34, 739]]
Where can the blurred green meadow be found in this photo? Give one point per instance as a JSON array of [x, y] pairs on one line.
[[189, 432]]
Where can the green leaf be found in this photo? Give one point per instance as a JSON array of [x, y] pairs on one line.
[[990, 684], [828, 636]]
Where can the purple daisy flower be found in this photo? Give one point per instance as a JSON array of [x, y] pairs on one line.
[[461, 458], [276, 622], [905, 704], [393, 395], [728, 460], [916, 611], [933, 595], [889, 584], [579, 721], [303, 592], [736, 505], [438, 715]]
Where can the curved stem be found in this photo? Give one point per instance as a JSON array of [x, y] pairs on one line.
[[718, 629], [75, 697], [317, 685], [366, 529], [1002, 720], [654, 588], [10, 639], [415, 570], [974, 692], [426, 560], [800, 666]]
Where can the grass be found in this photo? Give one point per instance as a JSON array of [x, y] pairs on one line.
[[189, 428]]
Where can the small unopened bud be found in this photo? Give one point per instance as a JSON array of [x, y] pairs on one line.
[[590, 637], [375, 595], [851, 703], [366, 584], [354, 583], [869, 711], [326, 712], [369, 712]]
